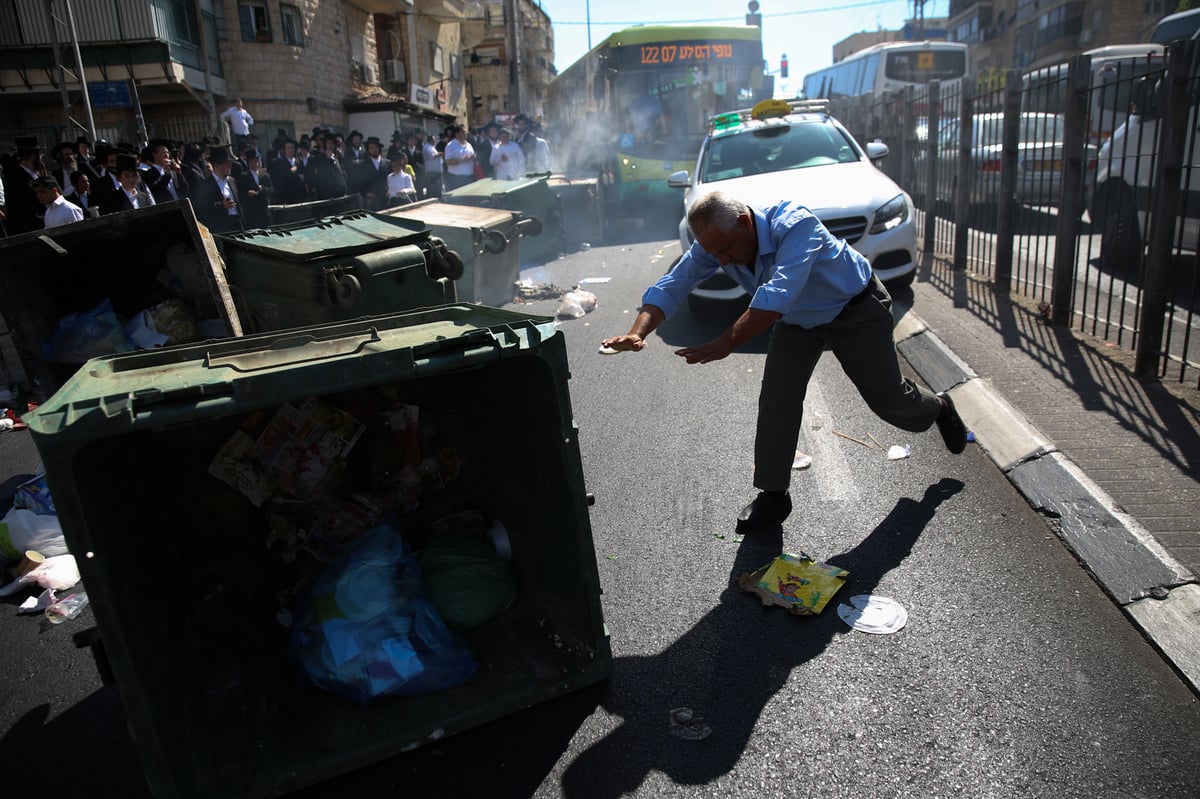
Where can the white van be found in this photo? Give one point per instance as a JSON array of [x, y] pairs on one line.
[[1120, 199]]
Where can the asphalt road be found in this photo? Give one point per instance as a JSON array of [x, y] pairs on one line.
[[1014, 677]]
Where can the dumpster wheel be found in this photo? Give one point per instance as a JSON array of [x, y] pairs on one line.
[[344, 290], [494, 242]]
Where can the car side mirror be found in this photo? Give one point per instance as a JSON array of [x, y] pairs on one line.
[[679, 180], [876, 150]]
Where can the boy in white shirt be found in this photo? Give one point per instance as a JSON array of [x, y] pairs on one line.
[[507, 158], [400, 187]]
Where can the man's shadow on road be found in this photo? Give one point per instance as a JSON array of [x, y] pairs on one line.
[[729, 666]]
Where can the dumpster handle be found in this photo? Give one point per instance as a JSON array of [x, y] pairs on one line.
[[295, 350]]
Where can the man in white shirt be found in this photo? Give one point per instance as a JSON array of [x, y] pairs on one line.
[[433, 167], [507, 158], [460, 160], [239, 123], [540, 162], [58, 210]]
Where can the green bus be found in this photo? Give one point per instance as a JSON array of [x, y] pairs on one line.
[[636, 107]]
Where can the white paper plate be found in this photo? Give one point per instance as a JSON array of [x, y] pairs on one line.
[[878, 615]]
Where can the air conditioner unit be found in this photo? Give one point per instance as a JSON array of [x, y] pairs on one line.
[[393, 70], [369, 75]]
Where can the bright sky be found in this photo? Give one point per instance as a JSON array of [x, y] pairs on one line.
[[803, 29]]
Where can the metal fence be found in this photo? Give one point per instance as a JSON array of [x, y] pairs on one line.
[[1077, 193]]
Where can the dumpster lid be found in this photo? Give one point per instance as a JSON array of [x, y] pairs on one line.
[[490, 187], [435, 212], [331, 236], [175, 384]]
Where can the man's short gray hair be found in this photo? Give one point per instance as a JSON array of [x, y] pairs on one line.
[[717, 209]]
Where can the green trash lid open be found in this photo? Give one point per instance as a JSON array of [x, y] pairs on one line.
[[329, 237]]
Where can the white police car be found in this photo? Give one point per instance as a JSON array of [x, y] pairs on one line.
[[794, 150]]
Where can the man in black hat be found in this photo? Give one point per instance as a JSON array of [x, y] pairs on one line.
[[105, 182], [287, 175], [22, 211], [84, 157], [130, 195], [254, 189], [216, 200], [369, 176], [489, 140], [163, 176], [64, 156], [355, 151]]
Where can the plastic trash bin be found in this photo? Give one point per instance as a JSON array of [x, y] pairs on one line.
[[533, 199], [185, 572], [580, 209], [136, 260], [336, 268], [487, 239]]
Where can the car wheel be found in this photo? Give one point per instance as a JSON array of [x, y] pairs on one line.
[[1120, 238]]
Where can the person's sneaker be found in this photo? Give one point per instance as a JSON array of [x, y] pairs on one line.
[[951, 426], [768, 508]]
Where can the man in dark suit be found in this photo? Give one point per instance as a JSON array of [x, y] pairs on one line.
[[84, 157], [23, 212], [287, 177], [64, 156], [254, 187], [163, 176], [130, 195], [216, 198], [81, 193], [369, 176]]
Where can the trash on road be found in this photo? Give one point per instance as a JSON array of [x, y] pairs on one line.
[[866, 444], [22, 530], [58, 573], [878, 615], [528, 291], [39, 603], [576, 303], [802, 461], [607, 350], [589, 280], [67, 608], [896, 452], [685, 724], [795, 582]]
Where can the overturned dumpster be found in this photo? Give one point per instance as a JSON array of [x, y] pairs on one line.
[[134, 280], [274, 471]]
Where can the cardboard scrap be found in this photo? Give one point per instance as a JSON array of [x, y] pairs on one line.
[[795, 582]]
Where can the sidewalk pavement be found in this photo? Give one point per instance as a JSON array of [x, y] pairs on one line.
[[1112, 460]]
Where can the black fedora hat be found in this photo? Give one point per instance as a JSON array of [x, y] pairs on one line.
[[219, 155], [27, 144], [126, 162]]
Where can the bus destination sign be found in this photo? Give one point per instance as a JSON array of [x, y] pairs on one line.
[[674, 53]]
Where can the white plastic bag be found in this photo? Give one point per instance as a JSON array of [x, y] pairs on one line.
[[22, 529], [576, 303], [58, 574]]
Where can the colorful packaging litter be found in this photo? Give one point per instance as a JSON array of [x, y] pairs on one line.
[[795, 582]]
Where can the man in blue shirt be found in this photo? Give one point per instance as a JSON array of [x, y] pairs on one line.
[[813, 290]]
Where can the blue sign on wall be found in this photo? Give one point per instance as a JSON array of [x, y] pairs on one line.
[[109, 94]]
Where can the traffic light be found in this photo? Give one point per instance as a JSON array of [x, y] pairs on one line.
[[783, 66]]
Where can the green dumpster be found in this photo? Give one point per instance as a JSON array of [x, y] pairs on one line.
[[193, 574], [532, 198], [488, 240], [158, 261], [336, 268], [580, 209]]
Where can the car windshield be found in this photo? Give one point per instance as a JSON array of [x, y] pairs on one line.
[[776, 149]]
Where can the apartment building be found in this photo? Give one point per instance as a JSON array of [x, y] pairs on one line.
[[170, 67]]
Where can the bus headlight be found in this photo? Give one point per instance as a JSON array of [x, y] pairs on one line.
[[891, 214]]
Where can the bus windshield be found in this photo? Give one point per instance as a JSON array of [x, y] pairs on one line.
[[922, 66]]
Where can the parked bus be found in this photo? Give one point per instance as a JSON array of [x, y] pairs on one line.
[[1113, 71], [889, 67], [636, 107]]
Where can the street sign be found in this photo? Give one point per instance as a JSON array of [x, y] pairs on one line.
[[109, 94]]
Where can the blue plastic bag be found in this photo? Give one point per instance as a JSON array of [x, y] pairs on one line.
[[82, 336], [367, 630]]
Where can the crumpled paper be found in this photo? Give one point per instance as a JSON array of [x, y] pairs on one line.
[[795, 582]]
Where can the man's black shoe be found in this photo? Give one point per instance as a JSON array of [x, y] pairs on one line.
[[768, 508], [951, 426]]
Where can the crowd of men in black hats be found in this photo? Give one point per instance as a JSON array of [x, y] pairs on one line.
[[231, 191]]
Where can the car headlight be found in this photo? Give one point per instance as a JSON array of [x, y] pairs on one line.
[[890, 214]]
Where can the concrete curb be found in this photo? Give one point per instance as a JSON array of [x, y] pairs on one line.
[[1159, 594]]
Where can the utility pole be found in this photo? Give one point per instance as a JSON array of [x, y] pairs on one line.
[[919, 15], [513, 37], [53, 22]]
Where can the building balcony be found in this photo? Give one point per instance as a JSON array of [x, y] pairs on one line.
[[156, 42]]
